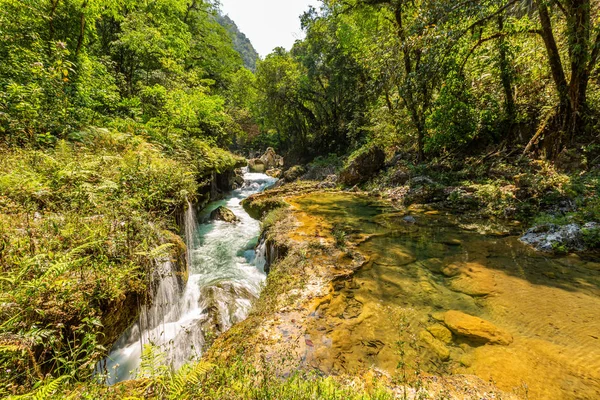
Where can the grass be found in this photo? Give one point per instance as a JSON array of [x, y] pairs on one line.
[[231, 381]]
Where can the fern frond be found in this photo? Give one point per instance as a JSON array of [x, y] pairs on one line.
[[188, 375]]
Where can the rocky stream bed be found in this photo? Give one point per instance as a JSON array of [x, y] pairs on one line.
[[418, 298]]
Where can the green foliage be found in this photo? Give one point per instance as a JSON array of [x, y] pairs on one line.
[[240, 42], [339, 235], [272, 217], [163, 63], [591, 237], [238, 380], [453, 122], [82, 226]]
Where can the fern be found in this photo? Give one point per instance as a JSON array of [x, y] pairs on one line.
[[187, 375], [44, 392], [158, 252]]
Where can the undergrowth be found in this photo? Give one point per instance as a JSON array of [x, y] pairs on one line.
[[82, 226], [235, 380]]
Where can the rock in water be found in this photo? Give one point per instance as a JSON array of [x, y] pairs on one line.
[[256, 165], [274, 173], [269, 160], [477, 329], [223, 214], [440, 332], [363, 167], [436, 345]]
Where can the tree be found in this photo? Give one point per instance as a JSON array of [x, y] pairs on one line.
[[583, 50]]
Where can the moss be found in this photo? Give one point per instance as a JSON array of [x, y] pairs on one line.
[[258, 207]]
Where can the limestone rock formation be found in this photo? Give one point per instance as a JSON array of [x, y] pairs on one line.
[[330, 182], [475, 328], [294, 173], [223, 214], [256, 165], [269, 160], [363, 167], [549, 237]]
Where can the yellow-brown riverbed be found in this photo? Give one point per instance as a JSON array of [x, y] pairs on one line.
[[389, 315]]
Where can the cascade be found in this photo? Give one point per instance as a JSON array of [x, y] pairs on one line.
[[225, 275]]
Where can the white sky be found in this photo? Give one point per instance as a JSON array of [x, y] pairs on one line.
[[268, 23]]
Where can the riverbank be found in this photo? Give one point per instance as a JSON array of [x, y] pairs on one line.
[[369, 301], [502, 188], [84, 228]]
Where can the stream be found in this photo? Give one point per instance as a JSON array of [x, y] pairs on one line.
[[225, 275]]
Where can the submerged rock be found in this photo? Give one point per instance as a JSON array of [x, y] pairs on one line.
[[550, 237], [440, 332], [409, 219], [223, 214], [475, 328], [436, 345], [363, 167]]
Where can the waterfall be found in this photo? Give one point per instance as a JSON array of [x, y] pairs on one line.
[[225, 275], [261, 255], [189, 228]]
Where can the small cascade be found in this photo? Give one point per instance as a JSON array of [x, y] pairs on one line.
[[261, 255], [225, 275], [189, 227]]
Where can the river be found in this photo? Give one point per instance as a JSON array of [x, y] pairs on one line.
[[225, 276]]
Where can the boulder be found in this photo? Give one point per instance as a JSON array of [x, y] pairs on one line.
[[223, 214], [409, 219], [256, 165], [239, 181], [330, 182], [363, 167], [550, 237], [421, 181], [274, 173], [476, 329], [294, 173], [271, 159], [400, 176]]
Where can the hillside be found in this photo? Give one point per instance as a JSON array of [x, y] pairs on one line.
[[241, 43]]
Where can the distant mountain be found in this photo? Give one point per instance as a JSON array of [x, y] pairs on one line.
[[241, 43]]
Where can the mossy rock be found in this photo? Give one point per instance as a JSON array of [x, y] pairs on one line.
[[223, 214], [257, 206]]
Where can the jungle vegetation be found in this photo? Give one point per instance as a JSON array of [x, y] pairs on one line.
[[439, 77], [113, 114]]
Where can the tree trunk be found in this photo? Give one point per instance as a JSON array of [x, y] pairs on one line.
[[570, 121], [81, 29], [578, 32], [506, 78]]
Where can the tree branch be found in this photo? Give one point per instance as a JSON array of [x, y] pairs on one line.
[[479, 43], [595, 53]]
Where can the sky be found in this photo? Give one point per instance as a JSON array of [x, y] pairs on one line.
[[268, 23]]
